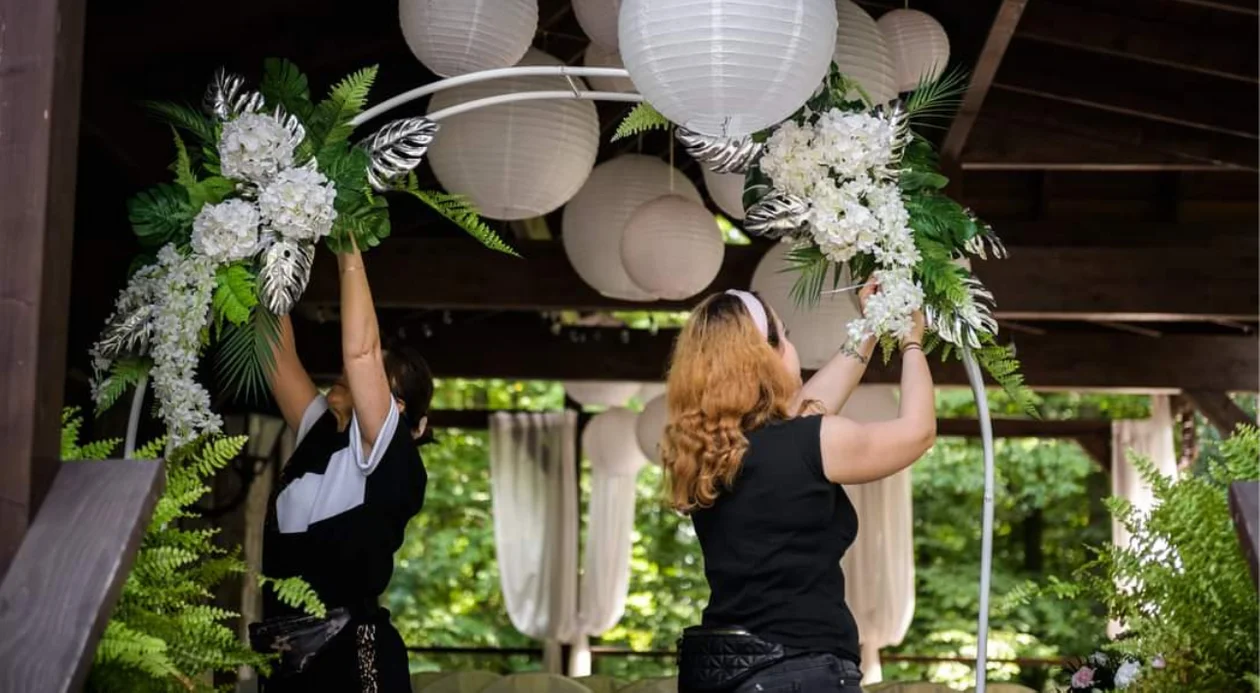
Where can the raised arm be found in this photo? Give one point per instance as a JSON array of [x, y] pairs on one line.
[[291, 385], [834, 383], [361, 349], [855, 453]]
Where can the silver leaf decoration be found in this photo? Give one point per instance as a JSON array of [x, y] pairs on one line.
[[776, 215], [293, 126], [127, 334], [895, 112], [226, 97], [965, 324], [397, 149], [986, 243], [720, 154], [286, 268]]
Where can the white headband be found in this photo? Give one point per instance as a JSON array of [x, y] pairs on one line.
[[755, 310]]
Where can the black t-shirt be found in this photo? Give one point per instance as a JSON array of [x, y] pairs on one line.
[[772, 545], [339, 513]]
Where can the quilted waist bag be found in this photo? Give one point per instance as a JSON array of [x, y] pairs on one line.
[[719, 659]]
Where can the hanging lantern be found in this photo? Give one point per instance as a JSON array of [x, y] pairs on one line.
[[672, 247], [817, 331], [862, 54], [456, 37], [610, 444], [919, 46], [650, 428], [517, 160], [598, 19], [727, 191], [650, 391], [594, 219], [727, 67], [598, 56], [598, 393]]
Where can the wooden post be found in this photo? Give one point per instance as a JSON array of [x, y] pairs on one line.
[[42, 45], [1244, 507]]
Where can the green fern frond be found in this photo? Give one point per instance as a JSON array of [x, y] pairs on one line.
[[296, 593], [642, 118], [1000, 363], [124, 646], [330, 122], [151, 450], [245, 357], [460, 210], [215, 454], [124, 374]]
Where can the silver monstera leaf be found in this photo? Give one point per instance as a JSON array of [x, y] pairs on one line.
[[720, 154], [226, 97], [777, 214], [397, 149], [127, 333], [286, 269], [985, 243]]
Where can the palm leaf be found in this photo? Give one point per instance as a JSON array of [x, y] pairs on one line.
[[186, 118], [640, 119], [938, 99], [811, 267], [160, 214], [245, 358], [460, 210]]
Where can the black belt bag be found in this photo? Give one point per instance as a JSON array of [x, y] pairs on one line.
[[719, 659], [297, 639]]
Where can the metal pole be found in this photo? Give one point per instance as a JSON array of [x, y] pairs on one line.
[[986, 527]]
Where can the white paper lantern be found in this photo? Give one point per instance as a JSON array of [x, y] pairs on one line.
[[871, 404], [650, 428], [672, 247], [727, 67], [817, 332], [598, 56], [598, 19], [518, 160], [862, 53], [650, 391], [727, 191], [595, 217], [919, 46], [455, 37], [610, 444], [598, 393]]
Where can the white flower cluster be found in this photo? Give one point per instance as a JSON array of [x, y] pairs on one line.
[[843, 164], [227, 231], [298, 204], [890, 310], [254, 147], [182, 287]]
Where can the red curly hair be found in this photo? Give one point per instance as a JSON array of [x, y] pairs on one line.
[[725, 378]]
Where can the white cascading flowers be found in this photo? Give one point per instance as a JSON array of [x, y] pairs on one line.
[[254, 147], [843, 164], [298, 204], [226, 231]]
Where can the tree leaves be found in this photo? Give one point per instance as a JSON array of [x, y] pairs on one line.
[[642, 118], [160, 215]]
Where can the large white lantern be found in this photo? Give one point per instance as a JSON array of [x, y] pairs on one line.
[[650, 391], [650, 428], [598, 56], [819, 331], [598, 19], [672, 247], [727, 67], [862, 53], [595, 217], [610, 444], [455, 37], [919, 46], [727, 191], [596, 393], [518, 160]]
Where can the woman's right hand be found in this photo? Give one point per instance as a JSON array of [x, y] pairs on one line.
[[919, 324]]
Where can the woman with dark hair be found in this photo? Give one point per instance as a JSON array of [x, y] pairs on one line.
[[757, 459], [343, 502]]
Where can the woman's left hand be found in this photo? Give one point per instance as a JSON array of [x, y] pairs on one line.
[[870, 288]]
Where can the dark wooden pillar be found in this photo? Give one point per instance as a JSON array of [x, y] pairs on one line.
[[42, 45]]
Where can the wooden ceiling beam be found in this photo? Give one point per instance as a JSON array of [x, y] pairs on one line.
[[1097, 283], [526, 347], [1222, 412]]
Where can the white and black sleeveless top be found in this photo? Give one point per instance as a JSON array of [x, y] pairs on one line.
[[339, 512]]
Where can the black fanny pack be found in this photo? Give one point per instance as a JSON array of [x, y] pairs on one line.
[[719, 659], [297, 639]]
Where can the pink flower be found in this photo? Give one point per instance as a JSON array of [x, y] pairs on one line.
[[1158, 663], [1083, 678]]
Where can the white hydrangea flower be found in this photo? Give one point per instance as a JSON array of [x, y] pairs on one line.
[[1127, 673], [255, 147], [184, 285], [226, 231], [298, 204], [891, 309]]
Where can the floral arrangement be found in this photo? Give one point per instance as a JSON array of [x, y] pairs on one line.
[[232, 241], [857, 191], [1103, 672]]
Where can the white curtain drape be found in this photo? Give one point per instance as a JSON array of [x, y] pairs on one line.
[[1151, 439], [879, 567], [612, 447], [534, 492]]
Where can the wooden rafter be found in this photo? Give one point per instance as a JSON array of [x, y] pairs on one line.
[[1223, 413]]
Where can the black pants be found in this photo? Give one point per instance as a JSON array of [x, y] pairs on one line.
[[367, 656], [812, 673]]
